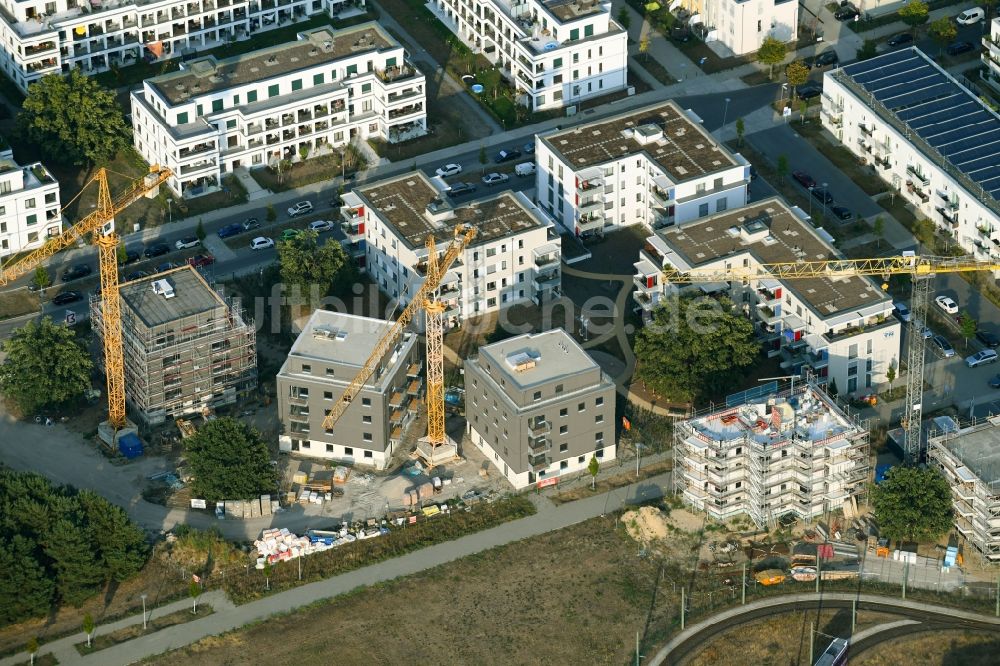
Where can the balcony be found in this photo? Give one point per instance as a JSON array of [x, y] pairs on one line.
[[660, 197], [917, 177], [548, 281], [584, 185], [912, 188], [867, 131], [538, 462], [298, 398], [539, 445], [353, 229], [39, 49], [883, 162], [591, 205], [196, 150], [405, 111], [647, 283], [539, 427], [767, 314]]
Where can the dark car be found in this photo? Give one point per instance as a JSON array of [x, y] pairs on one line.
[[900, 39], [825, 59], [231, 230], [995, 382], [76, 272], [156, 250], [845, 14], [822, 195], [131, 256], [458, 189], [136, 275], [201, 260], [167, 266], [529, 148], [809, 90], [252, 223], [988, 339], [67, 297], [958, 48], [508, 155], [804, 179], [842, 213]]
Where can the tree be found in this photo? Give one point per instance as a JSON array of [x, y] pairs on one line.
[[912, 504], [41, 279], [88, 626], [741, 129], [315, 269], [782, 167], [25, 588], [229, 460], [268, 567], [831, 388], [644, 47], [75, 118], [771, 52], [967, 325], [121, 545], [122, 254], [696, 349], [914, 13], [77, 576], [272, 214], [483, 160], [923, 231], [797, 74], [868, 50], [45, 366], [32, 648], [194, 591], [943, 31], [890, 375], [624, 18], [199, 231], [593, 468], [304, 152], [878, 230]]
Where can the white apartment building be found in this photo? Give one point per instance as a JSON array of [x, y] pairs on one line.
[[30, 212], [655, 166], [970, 459], [768, 455], [554, 52], [741, 25], [991, 56], [324, 90], [514, 258], [927, 136], [837, 330], [41, 37]]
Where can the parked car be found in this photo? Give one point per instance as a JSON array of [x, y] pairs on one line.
[[449, 170], [981, 358], [958, 48], [494, 178], [289, 234], [804, 179], [826, 59], [945, 346], [809, 90], [822, 195], [971, 16], [926, 333], [525, 169], [201, 260], [131, 256], [900, 39], [187, 243], [156, 250], [845, 13], [844, 214], [167, 266], [300, 208], [67, 297], [251, 223], [995, 382], [261, 243], [230, 230], [902, 311], [507, 155], [76, 272], [319, 226], [460, 188], [529, 148], [947, 304], [988, 339], [136, 275]]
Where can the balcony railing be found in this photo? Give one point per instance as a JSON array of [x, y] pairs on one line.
[[918, 176]]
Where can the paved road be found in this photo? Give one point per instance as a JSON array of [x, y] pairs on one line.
[[548, 518]]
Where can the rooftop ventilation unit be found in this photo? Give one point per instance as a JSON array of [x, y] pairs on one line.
[[164, 288], [521, 361], [325, 332]]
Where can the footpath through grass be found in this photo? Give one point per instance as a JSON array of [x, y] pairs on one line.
[[101, 641]]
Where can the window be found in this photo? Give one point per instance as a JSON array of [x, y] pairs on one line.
[[182, 118], [230, 124], [588, 31], [366, 88], [563, 447], [563, 429], [574, 34], [702, 210], [563, 412], [272, 90], [367, 436], [366, 418], [598, 436], [352, 69], [366, 402], [330, 372], [582, 407], [30, 220], [368, 454], [557, 63], [318, 79], [599, 401], [563, 464], [348, 451], [559, 388], [307, 369], [852, 351], [251, 96], [537, 396], [328, 395], [198, 110], [29, 203], [720, 205], [329, 448], [216, 105], [599, 418]]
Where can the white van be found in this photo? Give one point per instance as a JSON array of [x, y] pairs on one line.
[[525, 169], [970, 16]]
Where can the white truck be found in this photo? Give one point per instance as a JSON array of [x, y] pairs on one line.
[[525, 169]]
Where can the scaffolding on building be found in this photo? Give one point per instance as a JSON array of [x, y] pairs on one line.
[[786, 453]]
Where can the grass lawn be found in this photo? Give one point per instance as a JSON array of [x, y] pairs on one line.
[[101, 641], [658, 71], [864, 176], [619, 481], [954, 647], [47, 659], [298, 174], [19, 302]]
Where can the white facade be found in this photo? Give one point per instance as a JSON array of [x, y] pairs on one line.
[[515, 258], [41, 37], [944, 158], [842, 331], [991, 56], [774, 455], [315, 94], [29, 205], [554, 52], [743, 24], [655, 166]]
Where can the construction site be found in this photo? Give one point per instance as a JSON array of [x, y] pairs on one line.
[[186, 347], [768, 455]]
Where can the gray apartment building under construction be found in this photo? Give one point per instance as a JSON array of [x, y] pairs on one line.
[[186, 347]]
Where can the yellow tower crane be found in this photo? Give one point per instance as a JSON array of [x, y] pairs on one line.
[[100, 222], [920, 268], [426, 299]]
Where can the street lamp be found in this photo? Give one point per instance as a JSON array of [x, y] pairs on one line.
[[170, 209], [810, 188], [725, 113], [143, 612], [825, 193]]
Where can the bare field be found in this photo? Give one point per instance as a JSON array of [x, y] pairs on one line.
[[784, 639], [573, 596], [946, 648]]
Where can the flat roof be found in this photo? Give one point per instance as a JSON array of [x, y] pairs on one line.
[[542, 357], [571, 10], [314, 47], [403, 203], [340, 338], [663, 131], [192, 295], [978, 448], [912, 92], [772, 233]]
